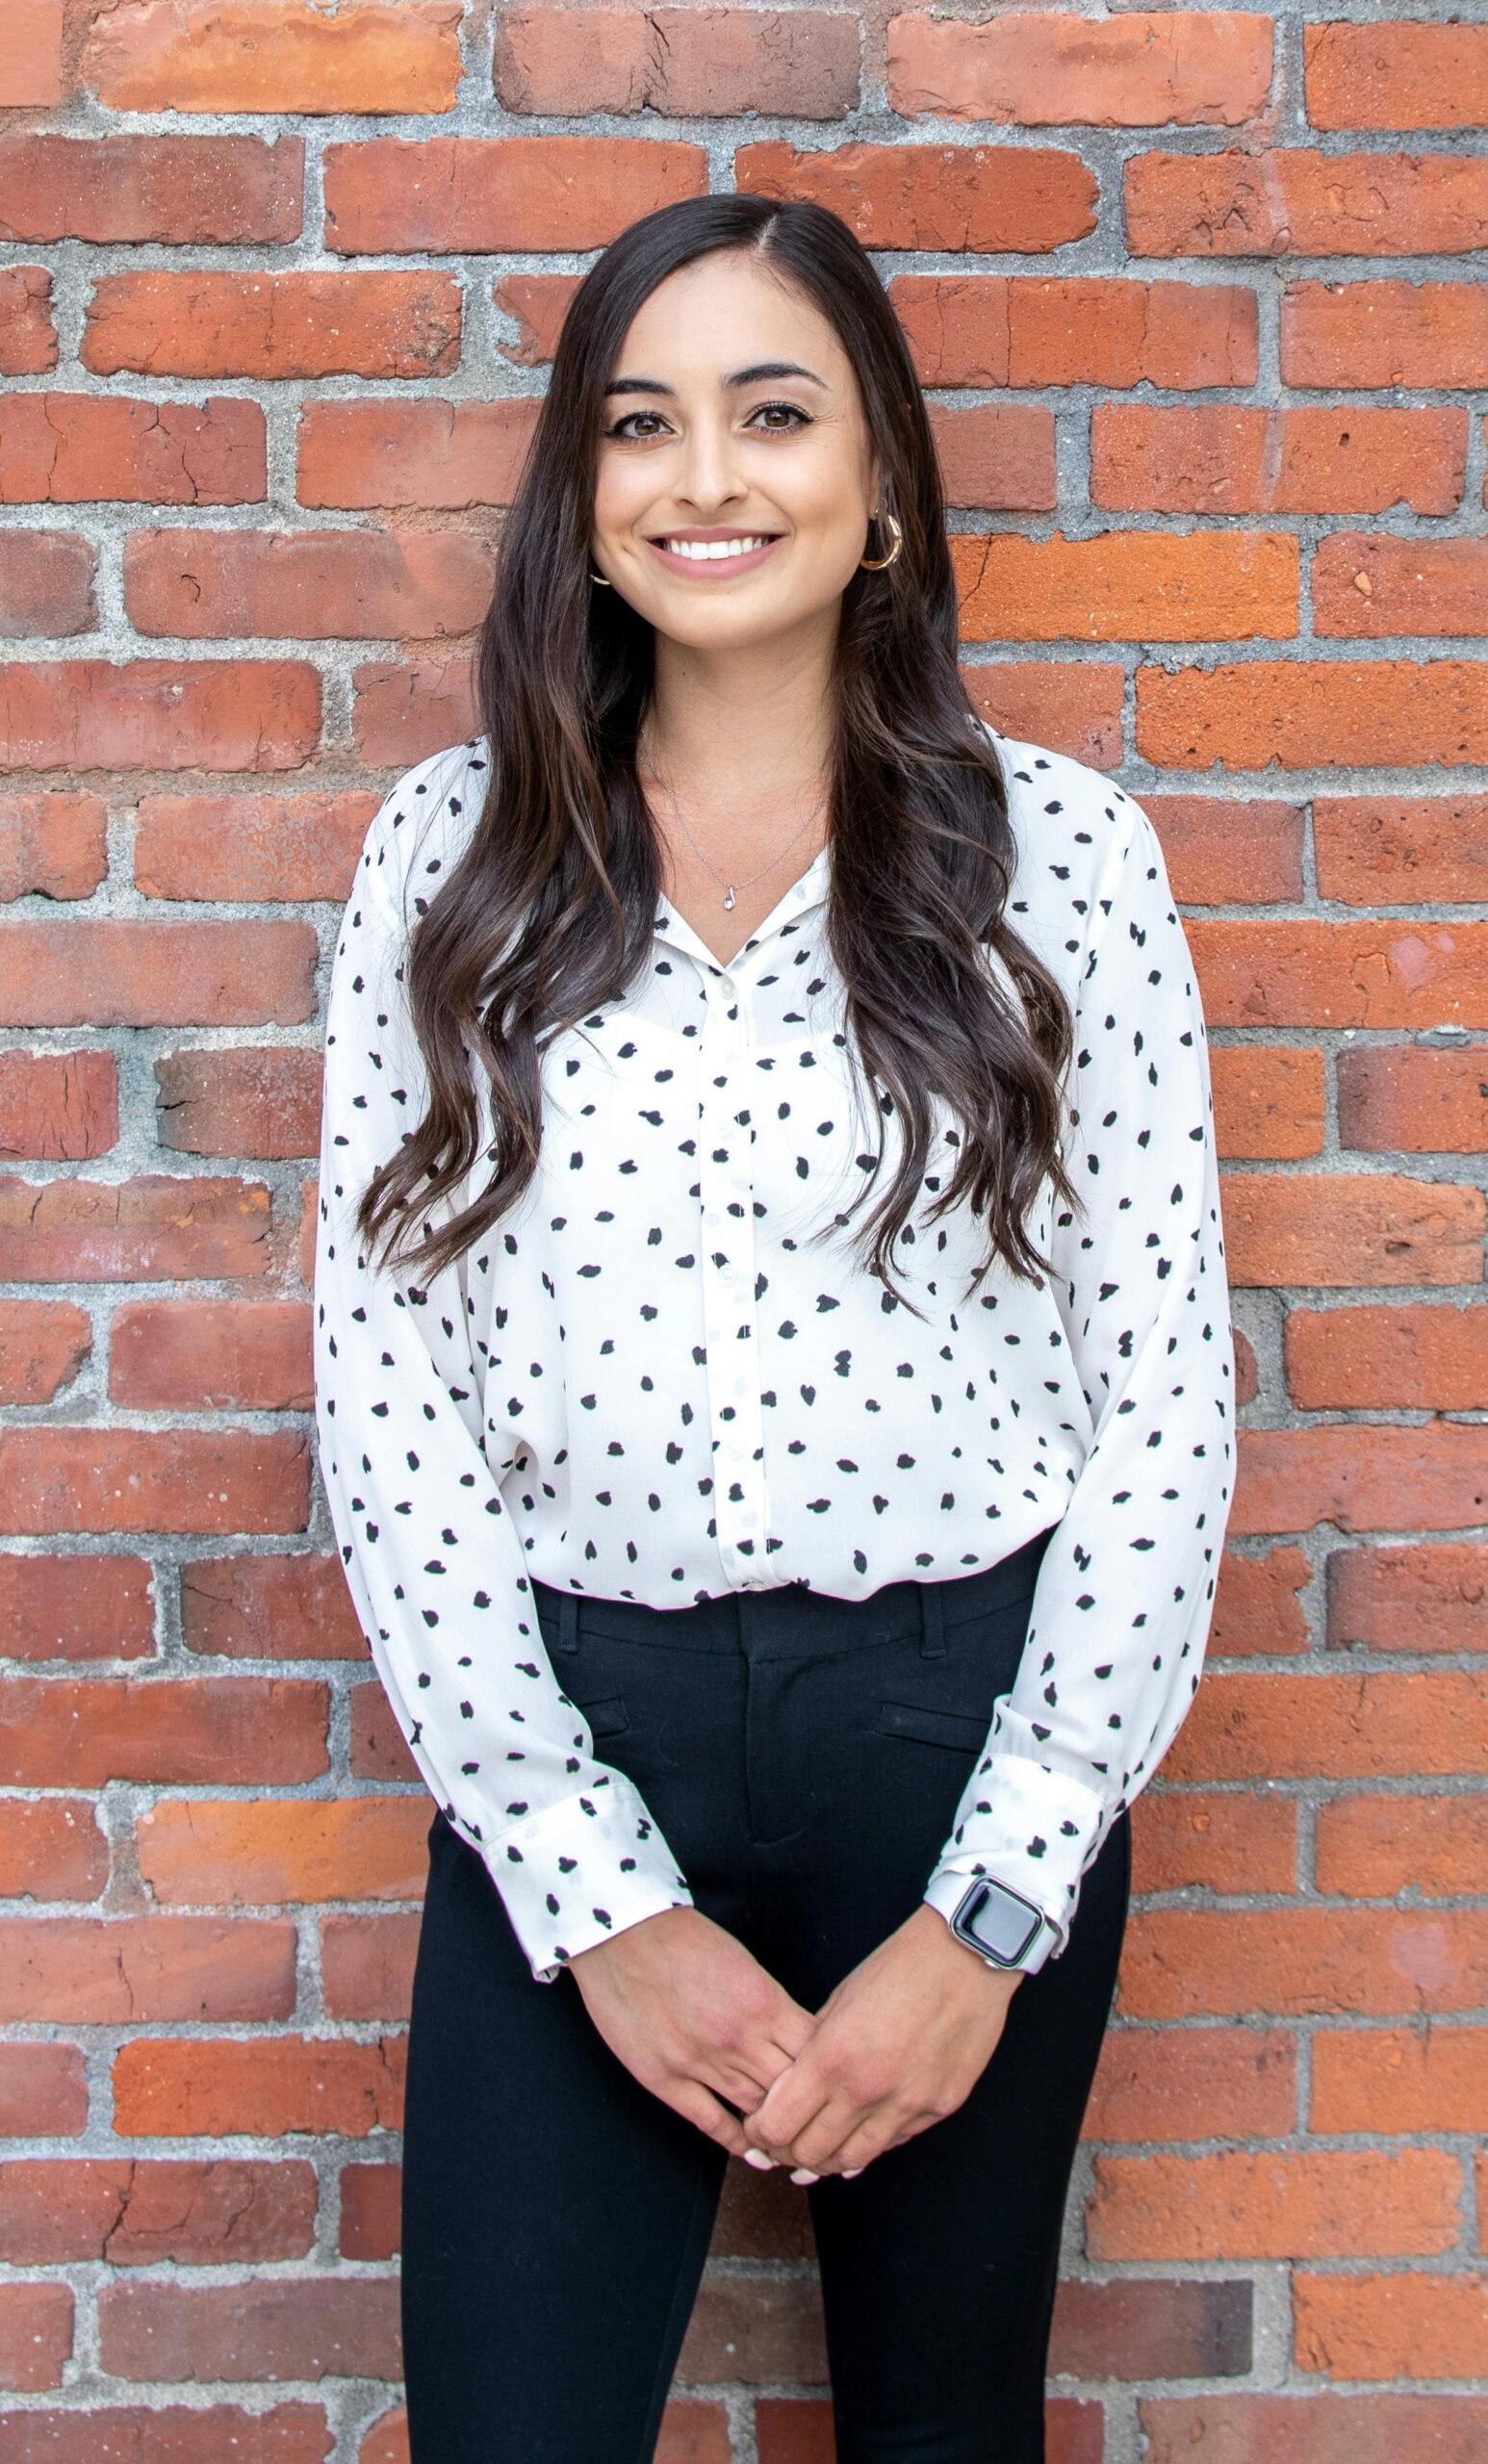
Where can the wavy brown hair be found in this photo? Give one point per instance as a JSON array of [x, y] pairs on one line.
[[548, 910]]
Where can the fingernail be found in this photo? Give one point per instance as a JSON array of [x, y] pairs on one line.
[[801, 2174], [757, 2156], [852, 2172]]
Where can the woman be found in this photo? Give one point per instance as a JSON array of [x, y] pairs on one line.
[[782, 1612]]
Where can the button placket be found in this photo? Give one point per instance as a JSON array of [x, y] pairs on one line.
[[735, 1411]]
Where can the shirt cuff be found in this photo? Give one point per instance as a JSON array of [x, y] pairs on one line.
[[582, 1870], [1021, 1824]]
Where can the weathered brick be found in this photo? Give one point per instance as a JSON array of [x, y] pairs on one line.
[[43, 1344], [146, 1480], [1376, 1358], [142, 1971], [1388, 851], [112, 1231], [1409, 1599], [1292, 1478], [77, 1609], [1393, 2326], [274, 326], [201, 2434], [435, 195], [1275, 2205], [1408, 1724], [250, 847], [263, 1103], [306, 585], [46, 585], [30, 63], [1384, 333], [802, 63], [1297, 203], [51, 1848], [1325, 1961], [159, 715], [1307, 2429], [43, 2091], [1313, 715], [299, 2327], [1348, 1228], [1379, 587], [1402, 74], [189, 2212], [1184, 1842], [212, 1855], [992, 199], [1399, 2080], [1206, 586], [212, 1356], [205, 190], [1075, 709], [274, 56], [1166, 2084], [175, 2087], [57, 1107], [1374, 1847], [121, 972], [1221, 457], [269, 1608], [36, 2339], [994, 329], [28, 337], [81, 448], [367, 1963], [59, 1731], [1130, 71]]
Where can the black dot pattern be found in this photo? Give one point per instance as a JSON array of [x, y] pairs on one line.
[[651, 1382]]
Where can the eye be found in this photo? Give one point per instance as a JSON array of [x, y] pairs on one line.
[[792, 409]]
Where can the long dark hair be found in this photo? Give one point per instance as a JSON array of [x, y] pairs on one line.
[[547, 913]]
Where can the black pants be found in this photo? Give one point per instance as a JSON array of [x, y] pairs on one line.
[[804, 1756]]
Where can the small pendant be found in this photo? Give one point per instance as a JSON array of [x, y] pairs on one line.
[[729, 899]]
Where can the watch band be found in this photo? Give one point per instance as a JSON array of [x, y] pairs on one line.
[[1003, 1927]]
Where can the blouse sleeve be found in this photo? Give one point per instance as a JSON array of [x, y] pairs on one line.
[[1124, 1595], [433, 1562]]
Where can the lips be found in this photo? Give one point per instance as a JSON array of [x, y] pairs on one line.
[[711, 567]]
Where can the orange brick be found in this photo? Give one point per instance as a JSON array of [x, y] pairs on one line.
[[1400, 2079], [1393, 2326], [1384, 333], [80, 448], [28, 337], [1408, 74], [1340, 1229], [159, 715], [274, 56], [1378, 587], [1204, 586], [992, 200], [133, 2213], [1257, 1608], [1378, 851], [117, 972], [1305, 204], [1131, 72], [1269, 1102], [208, 191], [30, 65], [1375, 1358], [1431, 1599], [1221, 851], [1164, 2084], [215, 1855], [993, 329], [1301, 1962], [1073, 709], [43, 1344], [308, 585], [143, 1480], [1184, 1841], [1391, 1724], [274, 326], [145, 1970], [1371, 1847], [1279, 2204], [1221, 457], [424, 453], [801, 63], [434, 194], [264, 2090], [60, 1608], [1315, 2429], [225, 1730], [1306, 715]]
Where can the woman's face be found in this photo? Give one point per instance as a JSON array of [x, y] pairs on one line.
[[734, 415]]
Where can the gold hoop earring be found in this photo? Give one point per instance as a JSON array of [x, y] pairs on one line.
[[600, 579], [875, 564]]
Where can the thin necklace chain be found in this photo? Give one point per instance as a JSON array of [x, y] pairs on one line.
[[729, 887]]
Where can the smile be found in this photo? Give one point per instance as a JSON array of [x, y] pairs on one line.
[[713, 555]]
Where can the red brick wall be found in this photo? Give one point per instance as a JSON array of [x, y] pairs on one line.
[[1192, 300]]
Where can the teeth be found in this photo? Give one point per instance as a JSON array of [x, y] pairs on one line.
[[704, 550]]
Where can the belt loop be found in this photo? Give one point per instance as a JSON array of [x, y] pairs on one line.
[[568, 1621], [931, 1619]]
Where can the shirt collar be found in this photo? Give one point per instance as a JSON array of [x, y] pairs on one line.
[[800, 900]]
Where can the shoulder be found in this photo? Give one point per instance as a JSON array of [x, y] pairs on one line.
[[421, 828], [1076, 831]]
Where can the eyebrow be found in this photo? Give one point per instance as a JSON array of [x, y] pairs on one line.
[[762, 370]]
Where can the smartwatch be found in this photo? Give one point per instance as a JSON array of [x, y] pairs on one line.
[[1006, 1928]]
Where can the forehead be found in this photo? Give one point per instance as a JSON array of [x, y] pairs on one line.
[[707, 320]]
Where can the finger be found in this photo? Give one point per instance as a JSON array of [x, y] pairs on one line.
[[698, 2104], [788, 2110]]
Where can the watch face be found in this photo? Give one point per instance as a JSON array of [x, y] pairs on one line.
[[1000, 1923]]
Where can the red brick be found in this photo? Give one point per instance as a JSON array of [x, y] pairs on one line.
[[1310, 971], [1384, 333], [80, 448], [1379, 851], [1184, 1841], [1400, 2079], [269, 1608], [306, 585], [1391, 1724], [367, 1963], [227, 1732], [208, 191], [1390, 1097], [51, 1848], [371, 2212], [1269, 1101], [1132, 71], [28, 337], [387, 2440], [145, 1970], [43, 2091], [1257, 1608], [113, 1231], [428, 454], [1393, 2326], [176, 2086], [213, 1356], [53, 843], [403, 712], [799, 63], [160, 714], [1149, 2329], [274, 56], [43, 1344], [297, 2327], [1222, 457], [752, 2330], [142, 2215], [1315, 2429], [1359, 1477], [379, 1751], [1184, 2084], [274, 326], [1298, 1963], [1431, 1599], [1343, 1229], [1431, 1358], [254, 1102], [121, 972], [77, 1609], [997, 456], [1073, 709], [536, 305], [46, 585], [218, 1855], [58, 1107], [167, 2434], [990, 200], [1409, 74], [31, 66], [434, 194], [1378, 587], [249, 847], [1372, 1847], [1311, 2203], [1360, 713], [1302, 204], [145, 1480], [994, 329], [1201, 587], [36, 2340]]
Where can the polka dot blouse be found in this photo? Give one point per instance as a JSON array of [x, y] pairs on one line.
[[648, 1382]]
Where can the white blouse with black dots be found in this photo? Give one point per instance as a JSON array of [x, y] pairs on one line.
[[648, 1382]]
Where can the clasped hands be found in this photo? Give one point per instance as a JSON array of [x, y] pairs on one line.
[[898, 2045]]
